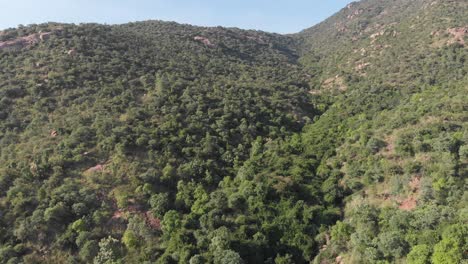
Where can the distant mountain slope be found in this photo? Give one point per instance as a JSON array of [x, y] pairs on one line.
[[399, 36], [155, 142], [396, 129]]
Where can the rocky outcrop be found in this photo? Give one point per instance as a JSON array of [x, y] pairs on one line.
[[43, 36], [374, 36], [450, 36], [355, 14], [53, 133], [362, 66], [26, 41], [204, 40], [408, 204], [72, 52]]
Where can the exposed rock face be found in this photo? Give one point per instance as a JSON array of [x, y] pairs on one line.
[[355, 14], [374, 36], [25, 41], [71, 52], [44, 35], [204, 40]]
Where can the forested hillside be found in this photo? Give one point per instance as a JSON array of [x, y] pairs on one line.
[[155, 142], [396, 133]]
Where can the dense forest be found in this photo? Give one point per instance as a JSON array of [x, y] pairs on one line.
[[156, 142]]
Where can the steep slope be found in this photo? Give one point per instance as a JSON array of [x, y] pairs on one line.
[[395, 132], [107, 125], [368, 36], [158, 142]]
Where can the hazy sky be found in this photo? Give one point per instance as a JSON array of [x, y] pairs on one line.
[[282, 16]]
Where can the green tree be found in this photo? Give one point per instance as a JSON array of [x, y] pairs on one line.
[[392, 244], [227, 257], [159, 204], [419, 254], [109, 251], [453, 247], [129, 239], [89, 251], [341, 231], [171, 222]]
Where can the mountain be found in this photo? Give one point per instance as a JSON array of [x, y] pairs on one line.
[[395, 132], [156, 142]]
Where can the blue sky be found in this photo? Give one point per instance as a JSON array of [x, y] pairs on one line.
[[269, 15]]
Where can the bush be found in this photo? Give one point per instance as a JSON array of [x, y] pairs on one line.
[[375, 145], [159, 204], [341, 231], [392, 244], [227, 257]]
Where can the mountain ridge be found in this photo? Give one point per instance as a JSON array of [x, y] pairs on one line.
[[158, 142]]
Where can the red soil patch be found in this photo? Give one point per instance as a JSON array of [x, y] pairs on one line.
[[117, 214], [408, 204], [151, 221], [458, 35]]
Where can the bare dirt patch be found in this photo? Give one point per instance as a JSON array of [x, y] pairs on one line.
[[336, 82], [450, 36], [458, 35], [408, 204], [411, 201]]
